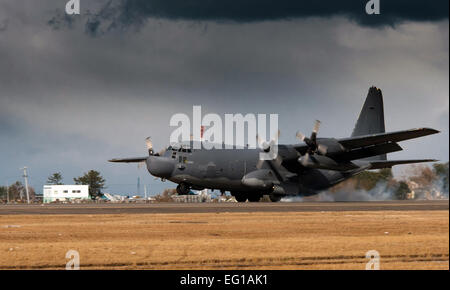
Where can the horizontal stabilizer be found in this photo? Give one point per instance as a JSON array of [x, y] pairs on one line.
[[128, 160], [389, 163], [367, 140]]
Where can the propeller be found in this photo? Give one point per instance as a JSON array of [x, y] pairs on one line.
[[149, 145], [275, 162], [311, 142], [266, 147]]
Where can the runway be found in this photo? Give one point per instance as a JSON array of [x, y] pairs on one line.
[[161, 208]]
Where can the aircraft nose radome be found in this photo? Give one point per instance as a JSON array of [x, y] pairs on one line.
[[160, 166]]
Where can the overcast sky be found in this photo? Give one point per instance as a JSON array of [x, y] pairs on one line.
[[78, 90]]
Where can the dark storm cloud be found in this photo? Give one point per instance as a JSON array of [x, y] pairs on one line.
[[122, 14], [3, 25], [61, 20]]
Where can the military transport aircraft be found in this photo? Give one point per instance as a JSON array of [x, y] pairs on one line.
[[299, 169]]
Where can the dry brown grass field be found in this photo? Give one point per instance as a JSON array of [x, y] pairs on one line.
[[292, 240]]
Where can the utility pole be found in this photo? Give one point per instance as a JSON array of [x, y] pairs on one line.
[[7, 193], [25, 176], [145, 191], [138, 186]]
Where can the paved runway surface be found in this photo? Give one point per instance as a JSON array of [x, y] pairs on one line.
[[222, 207]]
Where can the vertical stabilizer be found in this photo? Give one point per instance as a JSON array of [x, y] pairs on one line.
[[371, 118]]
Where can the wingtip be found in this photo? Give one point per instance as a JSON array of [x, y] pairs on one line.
[[428, 160], [431, 130]]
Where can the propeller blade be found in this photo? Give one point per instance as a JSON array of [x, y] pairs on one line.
[[276, 169], [259, 141], [277, 136], [300, 136], [316, 126], [278, 160], [322, 149], [140, 164], [149, 144], [314, 132], [259, 164], [306, 160]]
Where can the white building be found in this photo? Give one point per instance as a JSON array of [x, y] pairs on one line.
[[65, 192], [201, 196]]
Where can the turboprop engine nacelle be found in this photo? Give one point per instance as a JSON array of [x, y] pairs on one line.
[[329, 146], [262, 179], [322, 162]]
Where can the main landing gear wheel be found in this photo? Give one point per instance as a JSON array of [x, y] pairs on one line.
[[183, 189], [240, 196], [254, 198], [274, 198]]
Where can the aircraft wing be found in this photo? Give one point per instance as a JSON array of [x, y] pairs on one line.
[[360, 147], [379, 142], [378, 164], [128, 160], [374, 139]]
